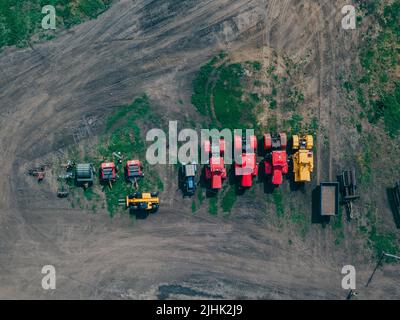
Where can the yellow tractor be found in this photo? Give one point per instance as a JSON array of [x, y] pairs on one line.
[[143, 202], [303, 158]]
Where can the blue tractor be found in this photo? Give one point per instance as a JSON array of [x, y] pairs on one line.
[[188, 174]]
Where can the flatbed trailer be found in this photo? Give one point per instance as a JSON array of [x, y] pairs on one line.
[[329, 199]]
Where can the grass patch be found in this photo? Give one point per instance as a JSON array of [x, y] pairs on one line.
[[228, 199], [194, 207], [337, 227], [300, 221], [200, 196], [20, 20], [378, 88], [364, 161], [122, 134], [378, 240], [278, 200], [220, 92], [213, 206]]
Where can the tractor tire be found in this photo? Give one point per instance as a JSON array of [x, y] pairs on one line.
[[283, 140], [267, 142], [238, 143], [253, 143]]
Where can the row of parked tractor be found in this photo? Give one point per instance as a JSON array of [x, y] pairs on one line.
[[276, 161]]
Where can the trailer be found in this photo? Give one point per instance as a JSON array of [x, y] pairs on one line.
[[329, 199]]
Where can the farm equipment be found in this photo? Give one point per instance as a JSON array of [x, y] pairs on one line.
[[329, 199], [189, 172], [84, 174], [303, 159], [142, 202], [119, 157], [133, 171], [246, 167], [215, 171], [348, 189], [275, 161], [39, 173], [70, 171], [108, 173]]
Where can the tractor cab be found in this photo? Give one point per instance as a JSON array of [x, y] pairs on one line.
[[275, 160], [246, 167], [108, 173]]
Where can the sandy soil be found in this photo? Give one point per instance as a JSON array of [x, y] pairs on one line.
[[142, 46]]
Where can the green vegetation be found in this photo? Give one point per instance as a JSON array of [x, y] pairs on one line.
[[378, 88], [220, 93], [200, 196], [337, 227], [228, 199], [122, 134], [194, 208], [20, 20], [300, 221], [378, 240], [285, 87], [278, 200], [126, 138], [213, 206], [365, 160]]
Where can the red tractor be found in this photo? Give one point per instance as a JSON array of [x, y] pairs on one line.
[[133, 171], [275, 162], [246, 166], [215, 171], [108, 173]]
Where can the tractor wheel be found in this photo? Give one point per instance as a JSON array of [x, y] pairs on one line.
[[154, 194], [222, 147], [238, 144], [207, 147], [267, 142], [283, 140], [253, 143]]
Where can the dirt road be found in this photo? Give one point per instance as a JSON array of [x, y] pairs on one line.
[[145, 46]]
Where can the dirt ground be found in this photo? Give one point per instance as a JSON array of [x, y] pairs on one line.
[[156, 47]]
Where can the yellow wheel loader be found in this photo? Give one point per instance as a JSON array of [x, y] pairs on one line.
[[303, 158], [143, 202]]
